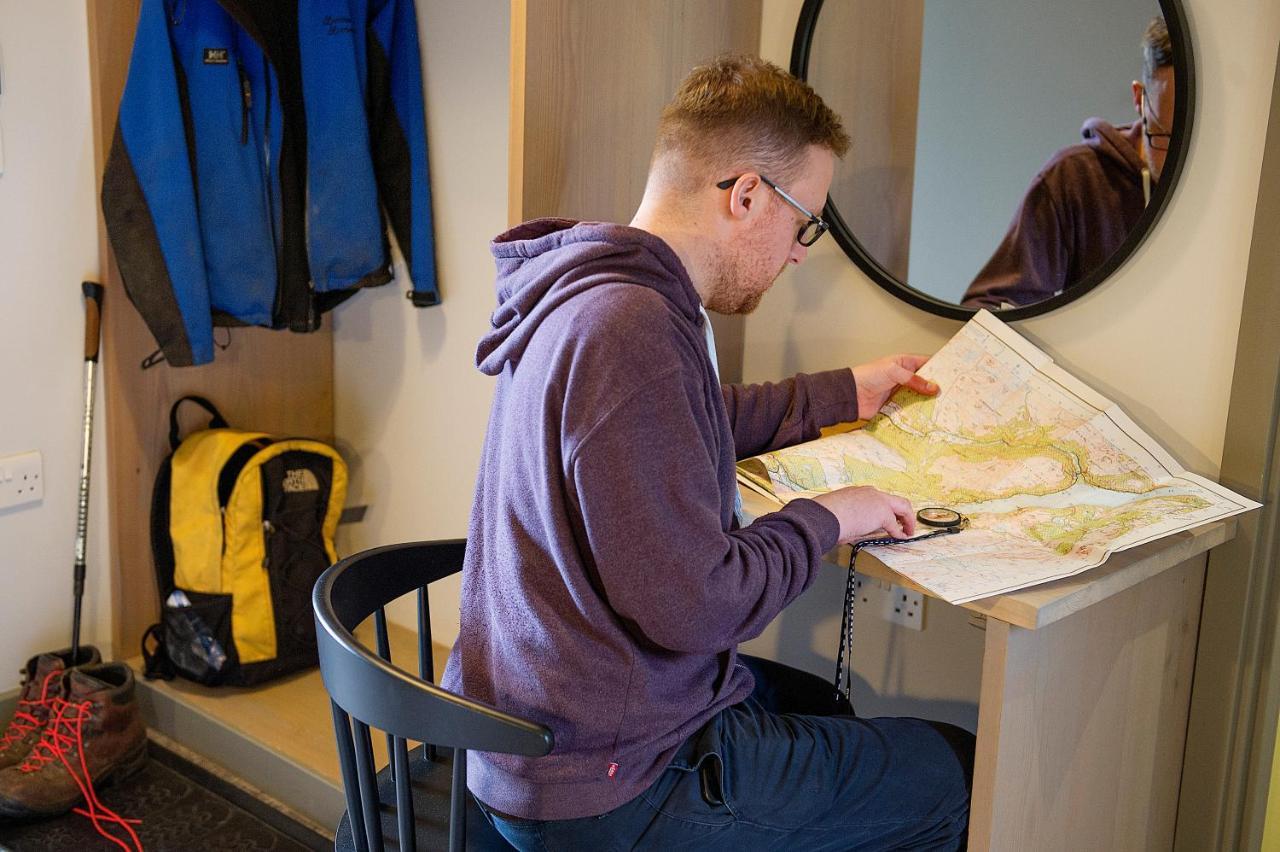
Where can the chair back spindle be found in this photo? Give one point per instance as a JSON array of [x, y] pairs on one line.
[[368, 691], [457, 842]]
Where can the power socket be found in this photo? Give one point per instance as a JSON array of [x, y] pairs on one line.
[[905, 606], [892, 603], [21, 479]]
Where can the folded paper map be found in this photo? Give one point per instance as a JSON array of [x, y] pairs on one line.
[[1053, 477]]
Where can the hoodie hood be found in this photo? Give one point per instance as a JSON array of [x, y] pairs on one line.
[[1113, 143], [545, 262]]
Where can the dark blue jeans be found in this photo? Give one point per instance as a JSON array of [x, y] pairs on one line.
[[789, 768]]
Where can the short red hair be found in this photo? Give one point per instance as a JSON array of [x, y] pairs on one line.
[[741, 113]]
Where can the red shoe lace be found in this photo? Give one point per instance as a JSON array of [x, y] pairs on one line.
[[23, 721], [54, 743]]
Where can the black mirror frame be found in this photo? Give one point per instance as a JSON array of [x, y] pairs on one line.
[[1184, 112]]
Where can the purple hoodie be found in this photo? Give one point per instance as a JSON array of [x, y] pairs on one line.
[[606, 585], [1076, 212]]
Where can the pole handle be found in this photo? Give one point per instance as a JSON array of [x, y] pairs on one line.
[[92, 319]]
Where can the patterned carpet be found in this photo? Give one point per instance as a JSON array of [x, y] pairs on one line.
[[183, 808]]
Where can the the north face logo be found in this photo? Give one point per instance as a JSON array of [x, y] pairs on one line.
[[302, 479]]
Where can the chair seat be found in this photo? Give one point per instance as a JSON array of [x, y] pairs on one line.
[[430, 782]]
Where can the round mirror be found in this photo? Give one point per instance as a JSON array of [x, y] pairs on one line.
[[1006, 154]]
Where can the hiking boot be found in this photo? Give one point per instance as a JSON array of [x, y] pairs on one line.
[[94, 737], [41, 682]]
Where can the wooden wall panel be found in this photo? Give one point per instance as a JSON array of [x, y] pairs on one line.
[[273, 381], [588, 82]]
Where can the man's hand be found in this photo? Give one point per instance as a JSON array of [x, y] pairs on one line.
[[878, 380], [862, 509]]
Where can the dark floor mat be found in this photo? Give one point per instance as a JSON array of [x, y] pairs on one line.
[[181, 811]]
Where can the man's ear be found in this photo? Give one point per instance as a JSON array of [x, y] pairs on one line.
[[1137, 97], [744, 195]]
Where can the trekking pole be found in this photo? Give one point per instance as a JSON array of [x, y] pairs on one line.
[[92, 333]]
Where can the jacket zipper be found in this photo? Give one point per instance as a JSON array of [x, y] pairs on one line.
[[246, 103], [266, 153]]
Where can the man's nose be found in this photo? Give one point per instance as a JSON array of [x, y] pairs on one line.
[[798, 253]]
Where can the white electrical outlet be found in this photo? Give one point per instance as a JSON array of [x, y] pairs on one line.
[[905, 606], [21, 479], [892, 603]]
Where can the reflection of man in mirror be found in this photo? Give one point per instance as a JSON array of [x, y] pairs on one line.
[[1088, 197]]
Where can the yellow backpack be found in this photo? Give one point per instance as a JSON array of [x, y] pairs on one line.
[[242, 524]]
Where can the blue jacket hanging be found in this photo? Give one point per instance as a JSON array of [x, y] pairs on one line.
[[257, 144]]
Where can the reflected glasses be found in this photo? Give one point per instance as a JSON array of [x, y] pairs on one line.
[[810, 231], [1158, 140]]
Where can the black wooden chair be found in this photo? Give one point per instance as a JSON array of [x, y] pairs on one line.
[[404, 805]]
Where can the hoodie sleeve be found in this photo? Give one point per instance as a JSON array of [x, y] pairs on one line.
[[398, 129], [1032, 262], [768, 416], [647, 490], [149, 201]]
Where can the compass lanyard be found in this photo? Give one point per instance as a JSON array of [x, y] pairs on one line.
[[846, 619]]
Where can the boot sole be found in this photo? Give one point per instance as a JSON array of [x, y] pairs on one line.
[[130, 765]]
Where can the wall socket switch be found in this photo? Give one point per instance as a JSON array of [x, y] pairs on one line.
[[21, 479], [897, 604]]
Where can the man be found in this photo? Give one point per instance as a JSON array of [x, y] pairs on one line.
[[607, 582], [1088, 197]]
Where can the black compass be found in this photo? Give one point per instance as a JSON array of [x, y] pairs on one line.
[[940, 518]]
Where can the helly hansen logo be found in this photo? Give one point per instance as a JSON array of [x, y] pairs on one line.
[[216, 56], [297, 481], [613, 769]]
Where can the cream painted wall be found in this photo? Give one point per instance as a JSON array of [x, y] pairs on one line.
[[48, 245], [410, 406], [1159, 337]]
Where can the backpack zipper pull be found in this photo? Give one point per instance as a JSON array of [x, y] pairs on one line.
[[267, 531]]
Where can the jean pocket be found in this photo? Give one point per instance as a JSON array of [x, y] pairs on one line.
[[693, 793]]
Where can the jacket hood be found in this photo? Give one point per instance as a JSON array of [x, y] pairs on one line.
[[1113, 143], [545, 262]]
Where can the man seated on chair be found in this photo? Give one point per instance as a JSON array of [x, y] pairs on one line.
[[607, 580]]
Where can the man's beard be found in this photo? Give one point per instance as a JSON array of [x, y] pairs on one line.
[[730, 292]]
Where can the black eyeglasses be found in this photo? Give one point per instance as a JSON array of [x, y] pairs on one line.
[[1158, 140], [810, 231]]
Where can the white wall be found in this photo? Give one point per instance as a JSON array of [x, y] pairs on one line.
[[48, 245], [1004, 84], [410, 406], [1159, 337]]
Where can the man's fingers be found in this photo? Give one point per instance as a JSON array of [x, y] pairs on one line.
[[903, 514], [920, 385], [893, 527], [909, 522], [905, 374], [912, 362]]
